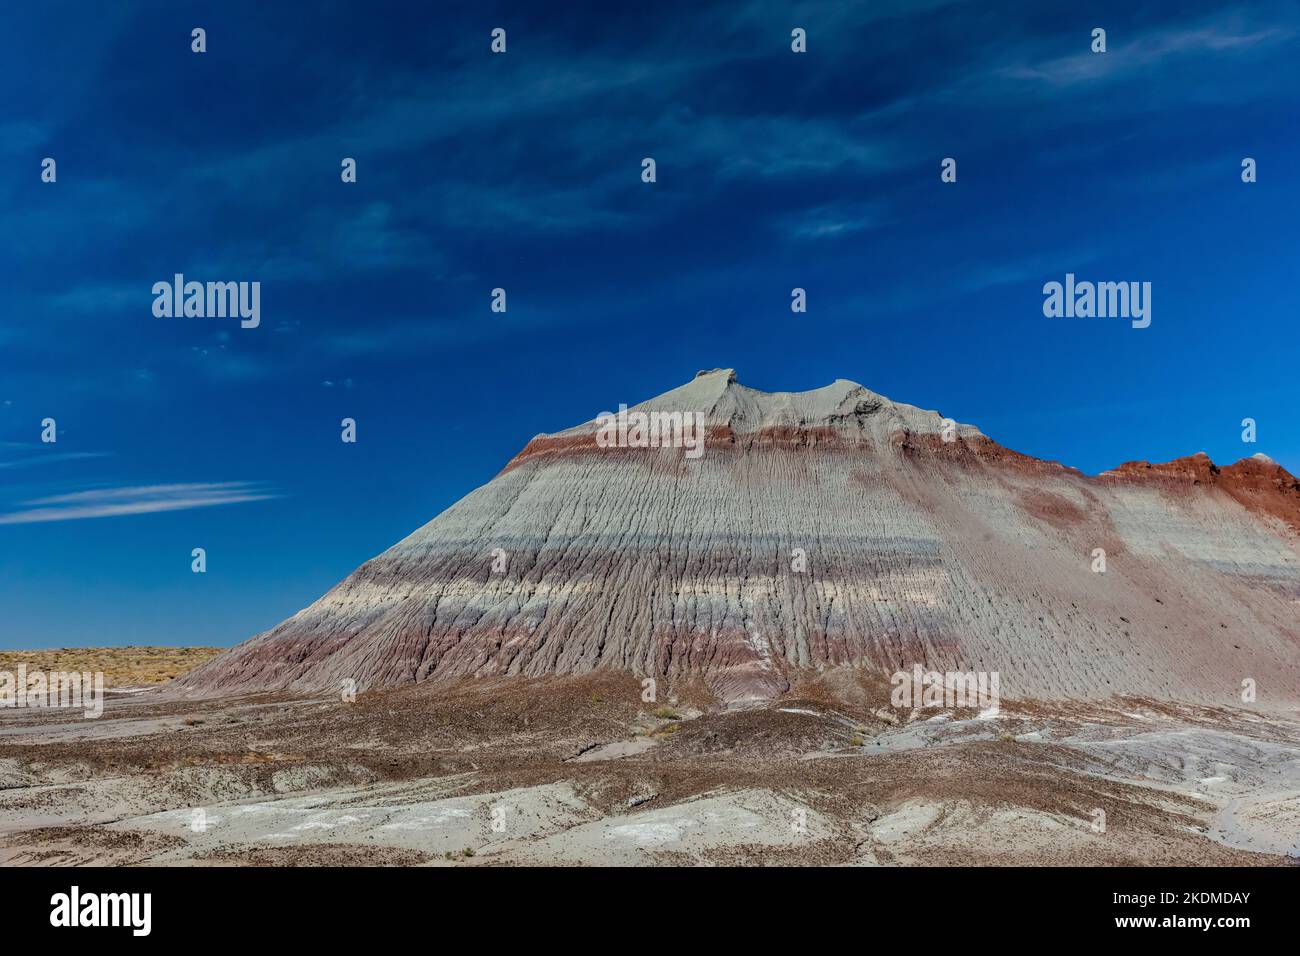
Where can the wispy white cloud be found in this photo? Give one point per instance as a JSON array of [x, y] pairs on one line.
[[833, 220], [139, 499], [1150, 49], [52, 458]]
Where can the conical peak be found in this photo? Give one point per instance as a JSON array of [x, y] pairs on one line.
[[721, 400], [725, 378], [728, 373]]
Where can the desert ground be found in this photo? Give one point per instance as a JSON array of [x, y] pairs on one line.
[[581, 770], [130, 666]]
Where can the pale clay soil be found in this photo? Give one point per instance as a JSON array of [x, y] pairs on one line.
[[578, 770]]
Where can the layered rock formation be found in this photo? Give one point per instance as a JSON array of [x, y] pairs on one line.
[[821, 529]]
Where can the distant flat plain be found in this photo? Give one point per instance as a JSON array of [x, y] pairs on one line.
[[131, 666]]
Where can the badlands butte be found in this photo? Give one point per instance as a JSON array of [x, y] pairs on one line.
[[616, 654], [821, 529]]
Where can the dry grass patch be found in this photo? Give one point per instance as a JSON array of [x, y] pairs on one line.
[[121, 666]]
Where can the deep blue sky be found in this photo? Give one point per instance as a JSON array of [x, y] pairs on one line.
[[775, 170]]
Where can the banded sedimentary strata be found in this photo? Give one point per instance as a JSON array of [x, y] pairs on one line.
[[821, 529]]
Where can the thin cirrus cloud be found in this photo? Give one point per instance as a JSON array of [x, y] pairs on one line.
[[49, 459], [140, 499], [1216, 37]]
